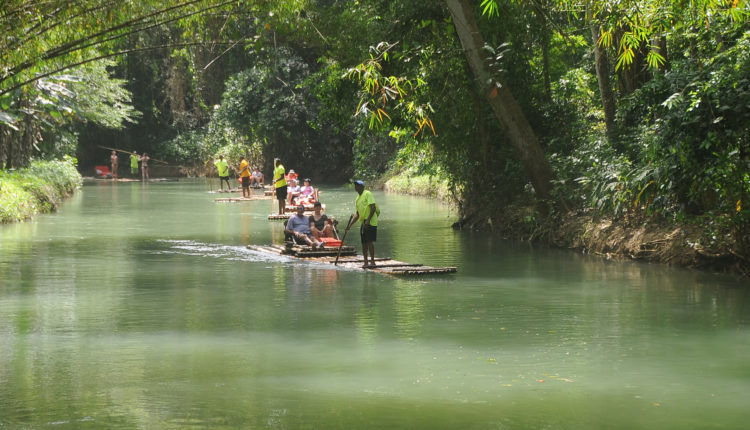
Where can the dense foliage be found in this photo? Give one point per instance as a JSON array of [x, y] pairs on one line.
[[640, 107], [37, 188]]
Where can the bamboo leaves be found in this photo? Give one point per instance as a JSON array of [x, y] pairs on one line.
[[381, 92]]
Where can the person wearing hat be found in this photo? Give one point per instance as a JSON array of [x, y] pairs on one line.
[[298, 229], [307, 194], [367, 214], [223, 168], [293, 191], [292, 175], [279, 183]]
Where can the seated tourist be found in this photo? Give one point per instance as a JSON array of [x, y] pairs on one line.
[[291, 175], [293, 191], [298, 229], [256, 178], [307, 195], [320, 224]]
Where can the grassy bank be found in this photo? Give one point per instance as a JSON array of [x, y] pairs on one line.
[[36, 189], [419, 185]]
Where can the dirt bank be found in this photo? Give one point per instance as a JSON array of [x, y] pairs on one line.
[[641, 238]]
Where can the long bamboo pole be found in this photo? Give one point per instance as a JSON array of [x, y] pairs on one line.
[[132, 153]]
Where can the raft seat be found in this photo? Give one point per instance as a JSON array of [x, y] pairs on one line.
[[331, 241], [103, 171]]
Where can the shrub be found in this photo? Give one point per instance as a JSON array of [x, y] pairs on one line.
[[38, 188]]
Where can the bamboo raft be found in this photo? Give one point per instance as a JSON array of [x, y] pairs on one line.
[[351, 260], [286, 215], [241, 199], [99, 178], [290, 211]]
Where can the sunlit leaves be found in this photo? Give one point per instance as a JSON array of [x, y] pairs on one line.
[[490, 8], [630, 26], [655, 59], [381, 92]]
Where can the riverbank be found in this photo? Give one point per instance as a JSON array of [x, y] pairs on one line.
[[39, 188], [430, 186], [696, 243]]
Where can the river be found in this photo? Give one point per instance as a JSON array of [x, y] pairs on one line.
[[139, 306]]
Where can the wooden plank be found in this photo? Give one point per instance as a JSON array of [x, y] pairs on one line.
[[326, 255], [362, 261], [423, 270], [396, 265], [240, 199]]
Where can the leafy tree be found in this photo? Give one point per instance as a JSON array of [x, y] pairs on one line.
[[45, 42]]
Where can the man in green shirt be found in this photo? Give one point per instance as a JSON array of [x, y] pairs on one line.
[[134, 163], [223, 167], [367, 214], [279, 182]]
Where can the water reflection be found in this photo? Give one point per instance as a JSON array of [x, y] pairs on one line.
[[138, 305], [367, 316], [408, 309]]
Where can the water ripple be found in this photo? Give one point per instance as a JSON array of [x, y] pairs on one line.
[[234, 253]]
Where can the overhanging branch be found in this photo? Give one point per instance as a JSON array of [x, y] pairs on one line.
[[114, 54]]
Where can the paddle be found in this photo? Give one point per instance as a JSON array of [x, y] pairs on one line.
[[210, 174], [342, 240], [335, 232]]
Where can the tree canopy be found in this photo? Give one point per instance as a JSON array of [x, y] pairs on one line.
[[621, 106]]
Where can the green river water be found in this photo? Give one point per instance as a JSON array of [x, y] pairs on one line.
[[138, 306]]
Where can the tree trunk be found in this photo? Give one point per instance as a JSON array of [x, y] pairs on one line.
[[482, 137], [504, 105], [602, 76], [544, 40]]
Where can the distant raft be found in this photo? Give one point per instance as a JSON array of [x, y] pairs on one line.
[[350, 259], [241, 199]]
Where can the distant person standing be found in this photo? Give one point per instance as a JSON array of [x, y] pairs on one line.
[[279, 183], [367, 214], [245, 177], [134, 163], [223, 168], [144, 166], [113, 161]]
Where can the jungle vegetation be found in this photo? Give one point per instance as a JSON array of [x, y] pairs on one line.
[[620, 107]]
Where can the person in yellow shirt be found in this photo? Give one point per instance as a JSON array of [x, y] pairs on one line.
[[223, 167], [367, 214], [245, 177], [279, 182], [134, 163]]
